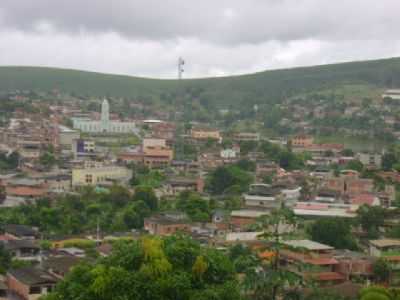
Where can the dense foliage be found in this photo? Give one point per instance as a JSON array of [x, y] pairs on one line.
[[175, 268], [8, 162], [335, 232], [115, 210]]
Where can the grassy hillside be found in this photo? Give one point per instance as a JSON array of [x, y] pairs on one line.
[[268, 86]]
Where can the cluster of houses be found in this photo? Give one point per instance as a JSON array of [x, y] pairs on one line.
[[369, 116], [86, 156]]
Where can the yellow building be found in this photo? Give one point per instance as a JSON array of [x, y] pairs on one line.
[[201, 133], [99, 175]]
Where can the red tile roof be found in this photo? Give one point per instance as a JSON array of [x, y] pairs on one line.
[[363, 199], [321, 261], [325, 276], [25, 191], [311, 206], [6, 237]]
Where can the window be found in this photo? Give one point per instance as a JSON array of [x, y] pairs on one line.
[[35, 290], [88, 178]]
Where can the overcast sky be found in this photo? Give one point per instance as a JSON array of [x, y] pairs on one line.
[[215, 37]]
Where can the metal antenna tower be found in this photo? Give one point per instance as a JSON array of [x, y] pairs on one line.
[[181, 63]]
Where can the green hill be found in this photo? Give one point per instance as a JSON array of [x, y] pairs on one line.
[[267, 86]]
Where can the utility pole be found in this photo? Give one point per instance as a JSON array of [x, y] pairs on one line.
[[98, 232], [181, 69], [181, 63]]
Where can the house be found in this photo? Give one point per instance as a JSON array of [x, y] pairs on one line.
[[311, 261], [20, 232], [72, 252], [23, 249], [290, 191], [242, 236], [29, 149], [29, 283], [393, 94], [174, 186], [302, 141], [26, 188], [365, 198], [326, 196], [266, 168], [165, 225], [310, 246], [246, 136], [83, 148], [244, 217], [3, 290], [199, 133], [384, 247], [104, 249], [153, 142], [59, 266], [370, 160], [269, 197], [66, 136], [100, 175], [321, 172], [58, 182], [327, 210], [350, 184], [228, 154], [152, 156], [157, 157], [354, 264], [164, 130]]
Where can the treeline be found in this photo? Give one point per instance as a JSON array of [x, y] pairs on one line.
[[115, 210], [173, 268]]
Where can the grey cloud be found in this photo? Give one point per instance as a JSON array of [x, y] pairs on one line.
[[215, 21]]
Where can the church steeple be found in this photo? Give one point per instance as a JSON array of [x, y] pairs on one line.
[[105, 115]]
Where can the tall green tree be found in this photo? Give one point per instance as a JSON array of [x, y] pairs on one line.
[[272, 282], [224, 177], [370, 218], [335, 232], [147, 195]]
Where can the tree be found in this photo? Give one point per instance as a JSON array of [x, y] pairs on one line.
[[335, 232], [246, 165], [47, 159], [347, 152], [272, 281], [147, 195], [376, 293], [3, 194], [227, 176], [194, 206], [119, 195], [174, 268], [355, 165], [5, 259], [200, 266], [371, 218], [382, 271], [388, 161]]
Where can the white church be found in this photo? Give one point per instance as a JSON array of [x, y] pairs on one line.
[[105, 124]]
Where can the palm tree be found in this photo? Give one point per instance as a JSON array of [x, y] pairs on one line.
[[270, 282]]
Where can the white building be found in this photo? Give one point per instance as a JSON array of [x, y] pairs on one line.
[[228, 153], [393, 94], [105, 124], [370, 159]]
